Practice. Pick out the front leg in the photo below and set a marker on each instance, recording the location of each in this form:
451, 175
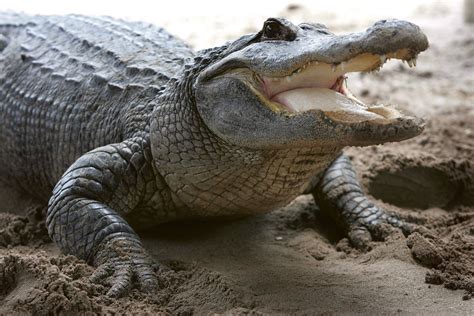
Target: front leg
84, 215
338, 192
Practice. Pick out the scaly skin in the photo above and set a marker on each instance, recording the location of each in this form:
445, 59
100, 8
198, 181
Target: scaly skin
121, 125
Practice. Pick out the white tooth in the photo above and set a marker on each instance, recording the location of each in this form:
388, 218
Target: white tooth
343, 64
410, 63
414, 61
334, 67
382, 59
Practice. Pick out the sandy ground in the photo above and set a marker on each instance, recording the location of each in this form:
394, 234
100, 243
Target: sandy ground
293, 260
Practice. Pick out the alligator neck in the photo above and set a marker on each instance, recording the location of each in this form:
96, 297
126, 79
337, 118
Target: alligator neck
214, 177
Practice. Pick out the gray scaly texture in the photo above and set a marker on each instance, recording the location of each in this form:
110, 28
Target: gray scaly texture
100, 117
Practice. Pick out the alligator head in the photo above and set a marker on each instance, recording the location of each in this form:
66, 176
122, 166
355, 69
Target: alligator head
286, 86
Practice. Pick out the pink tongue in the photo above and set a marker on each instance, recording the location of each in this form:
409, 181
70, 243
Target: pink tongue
327, 100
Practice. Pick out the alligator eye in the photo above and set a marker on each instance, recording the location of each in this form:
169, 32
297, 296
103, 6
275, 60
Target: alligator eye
278, 29
273, 29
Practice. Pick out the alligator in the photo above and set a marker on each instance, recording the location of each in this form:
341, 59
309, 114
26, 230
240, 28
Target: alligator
116, 124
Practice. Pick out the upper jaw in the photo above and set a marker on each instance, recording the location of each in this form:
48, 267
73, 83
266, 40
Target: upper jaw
386, 39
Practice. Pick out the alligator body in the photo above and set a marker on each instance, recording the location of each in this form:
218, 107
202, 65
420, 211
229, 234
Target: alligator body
119, 125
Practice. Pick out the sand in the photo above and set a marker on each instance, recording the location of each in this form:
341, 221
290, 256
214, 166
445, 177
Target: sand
294, 260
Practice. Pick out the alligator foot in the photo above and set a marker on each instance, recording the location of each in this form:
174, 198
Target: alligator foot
338, 192
368, 222
85, 216
121, 263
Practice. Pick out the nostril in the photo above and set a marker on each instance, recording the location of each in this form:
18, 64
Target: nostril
323, 32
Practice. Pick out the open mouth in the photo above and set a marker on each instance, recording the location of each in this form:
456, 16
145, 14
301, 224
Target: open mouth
322, 87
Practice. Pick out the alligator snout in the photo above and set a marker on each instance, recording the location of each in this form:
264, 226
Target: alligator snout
389, 36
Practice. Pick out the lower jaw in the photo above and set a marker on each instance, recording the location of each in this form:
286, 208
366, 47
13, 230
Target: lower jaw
379, 132
378, 124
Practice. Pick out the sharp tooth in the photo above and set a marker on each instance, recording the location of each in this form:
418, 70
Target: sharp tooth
334, 67
414, 61
343, 64
383, 58
410, 63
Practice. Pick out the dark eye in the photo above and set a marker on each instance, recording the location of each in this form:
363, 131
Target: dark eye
272, 29
278, 29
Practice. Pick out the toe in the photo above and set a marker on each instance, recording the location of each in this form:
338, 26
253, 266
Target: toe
122, 282
395, 221
146, 278
360, 237
101, 273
